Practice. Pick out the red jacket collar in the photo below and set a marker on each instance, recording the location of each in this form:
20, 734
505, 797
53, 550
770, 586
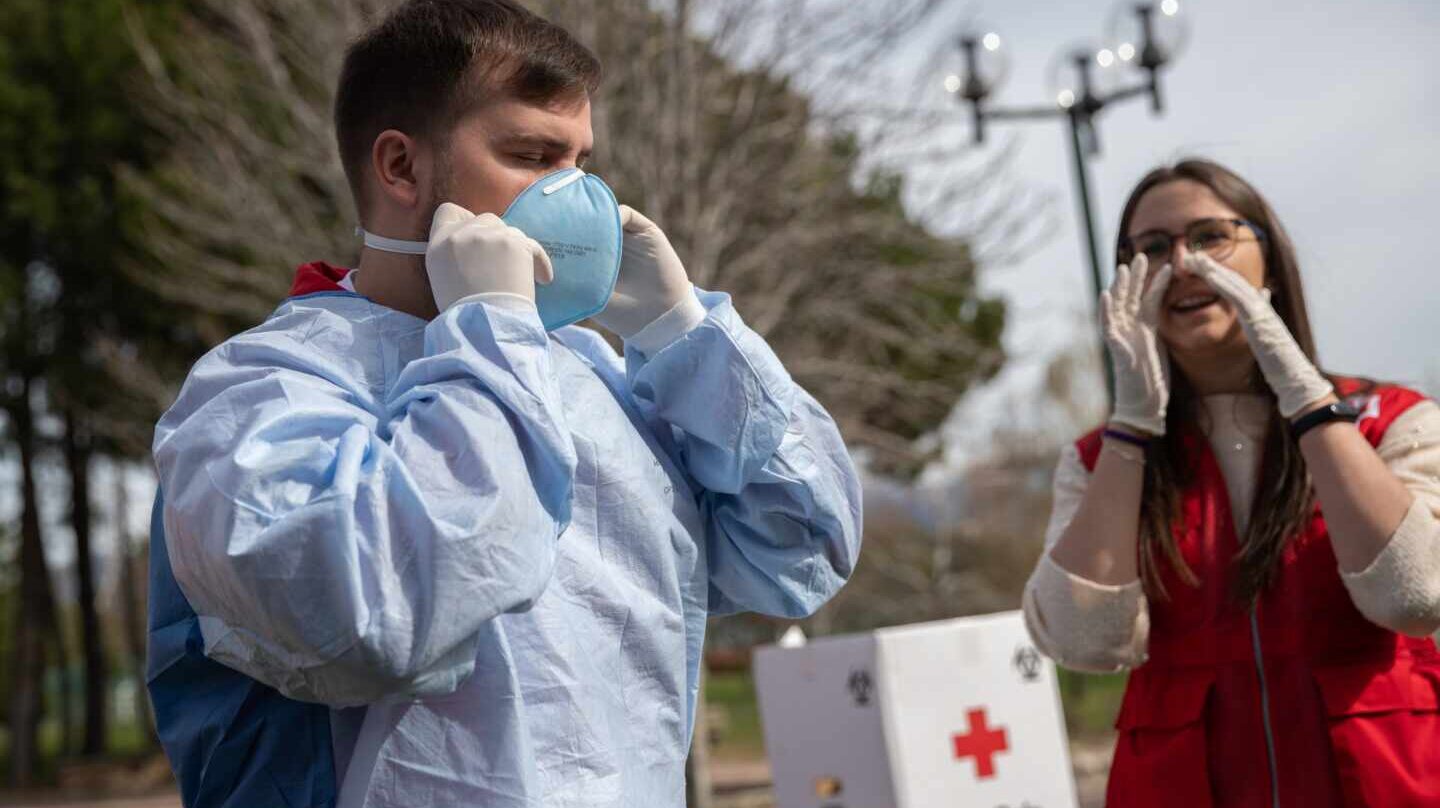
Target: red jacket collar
317, 276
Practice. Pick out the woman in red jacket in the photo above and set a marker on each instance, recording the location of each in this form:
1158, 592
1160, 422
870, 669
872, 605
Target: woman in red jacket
1256, 540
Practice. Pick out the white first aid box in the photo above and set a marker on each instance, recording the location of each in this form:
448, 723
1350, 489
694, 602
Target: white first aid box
956, 713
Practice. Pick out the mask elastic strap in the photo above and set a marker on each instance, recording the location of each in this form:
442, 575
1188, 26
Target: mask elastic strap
392, 245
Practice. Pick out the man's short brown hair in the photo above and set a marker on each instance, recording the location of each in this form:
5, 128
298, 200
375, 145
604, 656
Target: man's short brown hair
431, 61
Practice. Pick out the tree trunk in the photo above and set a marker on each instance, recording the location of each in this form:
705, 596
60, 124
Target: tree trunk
35, 619
64, 689
131, 606
698, 792
97, 680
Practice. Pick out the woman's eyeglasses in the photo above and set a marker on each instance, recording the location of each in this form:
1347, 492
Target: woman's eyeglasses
1214, 237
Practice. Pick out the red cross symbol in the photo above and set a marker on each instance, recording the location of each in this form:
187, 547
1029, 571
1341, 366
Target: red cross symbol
981, 743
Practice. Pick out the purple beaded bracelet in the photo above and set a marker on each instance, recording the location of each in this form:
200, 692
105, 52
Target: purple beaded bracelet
1125, 437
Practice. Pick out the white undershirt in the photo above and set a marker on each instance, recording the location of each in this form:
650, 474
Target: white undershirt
1236, 426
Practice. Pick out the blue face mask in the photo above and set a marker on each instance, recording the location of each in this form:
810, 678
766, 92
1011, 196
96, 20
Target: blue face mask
575, 218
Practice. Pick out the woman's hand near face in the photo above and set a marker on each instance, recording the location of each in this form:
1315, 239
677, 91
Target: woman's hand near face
1297, 383
1099, 543
1130, 313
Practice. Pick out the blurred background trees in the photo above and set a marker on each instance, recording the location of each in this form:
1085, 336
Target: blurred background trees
65, 125
90, 354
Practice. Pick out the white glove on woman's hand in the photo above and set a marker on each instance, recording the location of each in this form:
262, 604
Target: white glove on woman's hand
1130, 315
1289, 372
472, 255
652, 279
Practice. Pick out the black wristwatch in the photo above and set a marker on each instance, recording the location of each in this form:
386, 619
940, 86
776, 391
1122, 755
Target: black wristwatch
1339, 411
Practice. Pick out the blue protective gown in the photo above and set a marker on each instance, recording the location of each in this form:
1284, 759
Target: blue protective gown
496, 546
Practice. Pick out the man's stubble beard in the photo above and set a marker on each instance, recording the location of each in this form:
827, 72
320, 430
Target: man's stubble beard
443, 190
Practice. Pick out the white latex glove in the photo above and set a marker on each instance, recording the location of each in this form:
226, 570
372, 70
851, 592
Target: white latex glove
473, 255
1130, 315
652, 280
1289, 372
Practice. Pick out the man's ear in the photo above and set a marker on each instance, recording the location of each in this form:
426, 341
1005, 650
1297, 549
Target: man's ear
393, 159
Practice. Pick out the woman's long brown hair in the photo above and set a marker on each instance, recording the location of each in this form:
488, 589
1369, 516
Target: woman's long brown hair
1284, 498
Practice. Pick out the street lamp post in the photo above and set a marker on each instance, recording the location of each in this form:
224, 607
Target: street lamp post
1079, 106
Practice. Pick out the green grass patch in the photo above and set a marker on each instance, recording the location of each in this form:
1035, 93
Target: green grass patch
1091, 701
130, 740
127, 741
731, 699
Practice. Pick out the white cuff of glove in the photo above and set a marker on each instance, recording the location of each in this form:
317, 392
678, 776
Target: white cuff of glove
501, 300
681, 319
1148, 426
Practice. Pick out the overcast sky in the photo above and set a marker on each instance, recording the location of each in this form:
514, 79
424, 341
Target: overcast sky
1332, 109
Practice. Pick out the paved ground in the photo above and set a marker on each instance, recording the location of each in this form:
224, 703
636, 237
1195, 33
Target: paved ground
160, 801
735, 775
738, 784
